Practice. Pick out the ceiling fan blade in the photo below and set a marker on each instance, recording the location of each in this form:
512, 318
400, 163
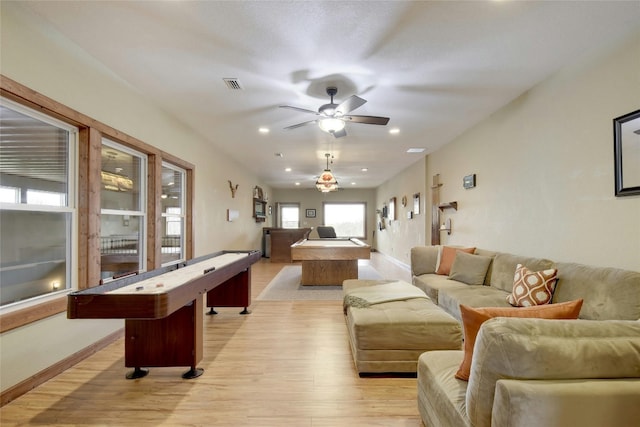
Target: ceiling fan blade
350, 104
304, 110
340, 133
369, 120
301, 124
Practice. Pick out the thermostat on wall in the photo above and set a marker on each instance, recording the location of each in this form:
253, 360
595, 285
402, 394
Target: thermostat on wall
469, 181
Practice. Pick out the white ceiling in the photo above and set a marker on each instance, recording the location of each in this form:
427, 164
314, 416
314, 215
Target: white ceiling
435, 68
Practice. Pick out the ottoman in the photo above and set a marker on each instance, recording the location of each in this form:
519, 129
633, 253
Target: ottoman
389, 337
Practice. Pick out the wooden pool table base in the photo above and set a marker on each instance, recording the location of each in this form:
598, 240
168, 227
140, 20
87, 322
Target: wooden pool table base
328, 272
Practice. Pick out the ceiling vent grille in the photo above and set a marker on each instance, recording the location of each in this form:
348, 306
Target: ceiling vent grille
233, 84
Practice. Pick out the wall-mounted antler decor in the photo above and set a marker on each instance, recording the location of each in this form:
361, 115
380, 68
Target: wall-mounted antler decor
233, 190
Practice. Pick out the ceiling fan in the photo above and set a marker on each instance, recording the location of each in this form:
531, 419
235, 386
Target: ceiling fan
334, 116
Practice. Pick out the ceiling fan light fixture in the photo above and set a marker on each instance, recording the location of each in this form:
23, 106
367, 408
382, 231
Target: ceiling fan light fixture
331, 125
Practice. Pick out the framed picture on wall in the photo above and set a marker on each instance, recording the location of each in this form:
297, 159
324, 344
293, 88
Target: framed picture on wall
626, 151
310, 213
392, 209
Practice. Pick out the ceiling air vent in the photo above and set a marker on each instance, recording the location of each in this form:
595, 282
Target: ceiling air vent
233, 84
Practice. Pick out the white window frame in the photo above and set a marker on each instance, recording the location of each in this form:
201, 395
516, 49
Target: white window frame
280, 207
182, 215
337, 227
71, 249
142, 213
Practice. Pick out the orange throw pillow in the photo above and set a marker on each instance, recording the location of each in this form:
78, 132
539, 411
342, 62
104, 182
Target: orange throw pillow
447, 257
473, 318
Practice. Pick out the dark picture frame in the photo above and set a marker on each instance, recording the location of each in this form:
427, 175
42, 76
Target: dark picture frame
310, 213
392, 209
626, 152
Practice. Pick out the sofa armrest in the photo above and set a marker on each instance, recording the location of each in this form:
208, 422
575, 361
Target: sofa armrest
559, 403
540, 349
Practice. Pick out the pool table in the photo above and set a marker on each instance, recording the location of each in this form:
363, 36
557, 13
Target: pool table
329, 261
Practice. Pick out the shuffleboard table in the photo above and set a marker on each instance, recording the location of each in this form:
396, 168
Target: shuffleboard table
329, 261
163, 309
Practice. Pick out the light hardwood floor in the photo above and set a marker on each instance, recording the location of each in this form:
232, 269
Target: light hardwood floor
286, 364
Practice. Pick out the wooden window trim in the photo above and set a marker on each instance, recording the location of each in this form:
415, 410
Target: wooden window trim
91, 133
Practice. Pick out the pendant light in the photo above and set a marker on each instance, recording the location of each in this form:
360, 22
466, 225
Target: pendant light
327, 181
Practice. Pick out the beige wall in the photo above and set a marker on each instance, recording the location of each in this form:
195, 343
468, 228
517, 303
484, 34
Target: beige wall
545, 171
47, 64
399, 236
313, 199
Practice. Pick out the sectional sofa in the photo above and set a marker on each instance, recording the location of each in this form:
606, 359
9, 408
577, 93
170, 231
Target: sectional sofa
532, 372
520, 371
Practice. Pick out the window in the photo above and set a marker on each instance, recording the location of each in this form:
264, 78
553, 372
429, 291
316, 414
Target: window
289, 215
9, 195
50, 198
37, 204
348, 219
173, 222
123, 210
45, 209
173, 213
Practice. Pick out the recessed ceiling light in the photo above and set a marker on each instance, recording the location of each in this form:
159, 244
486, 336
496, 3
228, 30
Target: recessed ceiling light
394, 131
297, 183
415, 150
263, 130
287, 169
353, 183
364, 169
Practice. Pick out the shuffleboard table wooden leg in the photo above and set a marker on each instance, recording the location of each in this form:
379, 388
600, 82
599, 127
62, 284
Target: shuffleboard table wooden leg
137, 373
192, 373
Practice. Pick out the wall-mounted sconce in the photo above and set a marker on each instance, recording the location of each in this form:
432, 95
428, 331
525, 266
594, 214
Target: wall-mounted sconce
446, 226
55, 285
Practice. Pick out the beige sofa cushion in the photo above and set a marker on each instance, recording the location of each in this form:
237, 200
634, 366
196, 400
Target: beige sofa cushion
441, 397
562, 403
411, 324
492, 255
608, 293
547, 350
424, 259
504, 269
473, 296
431, 284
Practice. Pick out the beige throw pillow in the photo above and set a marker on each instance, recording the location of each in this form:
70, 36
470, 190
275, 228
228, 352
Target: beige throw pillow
470, 269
